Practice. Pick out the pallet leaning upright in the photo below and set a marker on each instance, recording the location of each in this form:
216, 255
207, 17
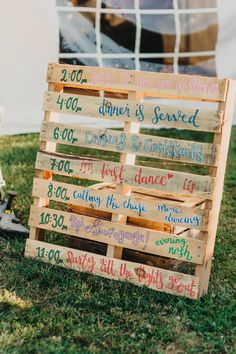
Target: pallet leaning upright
151, 226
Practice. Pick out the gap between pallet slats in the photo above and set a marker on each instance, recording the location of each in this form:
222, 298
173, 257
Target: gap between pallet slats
166, 212
119, 235
168, 181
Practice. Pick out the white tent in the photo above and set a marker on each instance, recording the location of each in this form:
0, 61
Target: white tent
29, 40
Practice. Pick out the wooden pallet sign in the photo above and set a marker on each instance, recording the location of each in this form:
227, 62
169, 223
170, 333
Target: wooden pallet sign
150, 216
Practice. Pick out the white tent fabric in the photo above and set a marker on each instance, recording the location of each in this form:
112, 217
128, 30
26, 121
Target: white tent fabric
226, 47
29, 40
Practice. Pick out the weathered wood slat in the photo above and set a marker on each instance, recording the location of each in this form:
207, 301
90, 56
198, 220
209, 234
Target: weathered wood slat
113, 172
118, 234
37, 234
138, 274
223, 139
156, 115
160, 84
168, 213
125, 189
139, 144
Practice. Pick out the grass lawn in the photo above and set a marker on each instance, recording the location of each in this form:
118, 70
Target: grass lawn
45, 309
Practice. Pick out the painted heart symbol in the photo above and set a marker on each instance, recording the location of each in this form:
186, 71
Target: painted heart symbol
169, 175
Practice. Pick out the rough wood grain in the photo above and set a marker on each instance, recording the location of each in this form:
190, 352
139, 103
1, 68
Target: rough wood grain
157, 84
168, 213
168, 181
156, 115
35, 233
118, 234
143, 275
139, 144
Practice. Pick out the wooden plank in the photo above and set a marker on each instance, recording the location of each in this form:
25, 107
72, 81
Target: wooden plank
223, 139
37, 234
163, 85
168, 213
157, 115
124, 189
118, 234
185, 184
139, 144
116, 269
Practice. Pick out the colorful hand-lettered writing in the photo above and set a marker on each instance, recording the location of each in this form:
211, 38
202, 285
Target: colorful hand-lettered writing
73, 76
107, 171
148, 112
132, 237
72, 103
173, 215
155, 278
165, 148
182, 251
98, 228
51, 254
126, 205
190, 86
140, 144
